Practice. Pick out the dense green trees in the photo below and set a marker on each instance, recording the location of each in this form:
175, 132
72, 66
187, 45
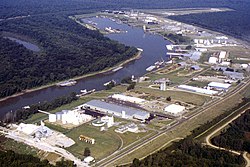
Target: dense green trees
177, 38
12, 159
189, 153
86, 152
68, 50
237, 136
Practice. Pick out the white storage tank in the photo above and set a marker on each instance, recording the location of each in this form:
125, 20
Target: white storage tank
52, 117
59, 116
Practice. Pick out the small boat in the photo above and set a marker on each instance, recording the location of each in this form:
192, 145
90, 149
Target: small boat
105, 84
150, 68
116, 69
85, 92
67, 83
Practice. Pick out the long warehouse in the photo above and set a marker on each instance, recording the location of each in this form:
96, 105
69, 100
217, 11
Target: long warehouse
117, 110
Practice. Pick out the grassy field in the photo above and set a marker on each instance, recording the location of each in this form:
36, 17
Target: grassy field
176, 95
106, 142
129, 138
181, 130
156, 124
198, 83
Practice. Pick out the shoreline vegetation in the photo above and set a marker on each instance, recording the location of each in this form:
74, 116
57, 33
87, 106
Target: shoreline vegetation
133, 58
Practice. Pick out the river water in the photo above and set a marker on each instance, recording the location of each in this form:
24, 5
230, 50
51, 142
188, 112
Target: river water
154, 50
27, 45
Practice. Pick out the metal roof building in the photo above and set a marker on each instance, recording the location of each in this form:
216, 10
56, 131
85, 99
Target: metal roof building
218, 85
198, 90
128, 98
117, 110
175, 110
234, 75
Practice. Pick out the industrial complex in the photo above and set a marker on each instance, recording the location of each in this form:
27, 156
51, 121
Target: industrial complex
117, 110
189, 79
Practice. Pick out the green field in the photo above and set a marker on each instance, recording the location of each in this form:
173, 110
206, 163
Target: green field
190, 98
198, 83
106, 142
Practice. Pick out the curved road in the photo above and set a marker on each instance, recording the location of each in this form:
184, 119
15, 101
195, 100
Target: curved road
111, 159
208, 139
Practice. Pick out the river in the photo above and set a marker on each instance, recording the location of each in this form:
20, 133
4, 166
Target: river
26, 44
153, 50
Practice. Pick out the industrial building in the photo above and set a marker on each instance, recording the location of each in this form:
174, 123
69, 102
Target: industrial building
222, 55
198, 90
213, 60
127, 128
87, 139
117, 110
219, 86
175, 110
74, 117
43, 133
109, 121
128, 98
234, 75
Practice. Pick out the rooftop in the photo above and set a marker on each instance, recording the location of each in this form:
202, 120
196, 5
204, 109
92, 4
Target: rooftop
117, 108
219, 85
174, 109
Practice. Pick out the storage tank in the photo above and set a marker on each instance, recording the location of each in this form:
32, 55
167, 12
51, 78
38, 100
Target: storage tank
52, 117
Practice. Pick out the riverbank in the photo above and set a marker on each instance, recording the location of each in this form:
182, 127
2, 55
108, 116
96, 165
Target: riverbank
110, 70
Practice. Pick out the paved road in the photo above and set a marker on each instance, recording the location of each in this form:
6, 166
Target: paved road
208, 139
42, 146
122, 153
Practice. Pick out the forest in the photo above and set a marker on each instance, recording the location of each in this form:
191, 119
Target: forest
68, 50
12, 159
190, 153
11, 8
237, 135
233, 23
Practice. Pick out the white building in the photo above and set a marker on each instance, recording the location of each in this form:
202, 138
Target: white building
108, 120
74, 117
89, 159
213, 60
52, 117
198, 90
128, 98
222, 55
27, 129
117, 110
225, 63
175, 110
244, 66
201, 49
127, 128
163, 86
219, 86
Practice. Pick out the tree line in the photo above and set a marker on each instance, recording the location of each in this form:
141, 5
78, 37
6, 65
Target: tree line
23, 114
237, 136
12, 159
189, 153
68, 50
